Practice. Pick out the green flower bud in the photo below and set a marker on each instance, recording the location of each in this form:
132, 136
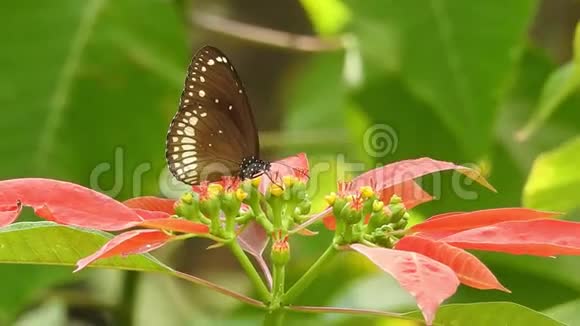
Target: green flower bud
304, 207
395, 200
188, 206
337, 207
350, 215
397, 211
211, 207
230, 204
280, 253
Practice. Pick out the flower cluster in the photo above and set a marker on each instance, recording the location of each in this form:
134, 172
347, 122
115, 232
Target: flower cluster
368, 215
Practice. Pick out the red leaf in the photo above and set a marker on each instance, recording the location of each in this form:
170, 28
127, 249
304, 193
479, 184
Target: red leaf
128, 243
411, 193
469, 220
429, 281
9, 213
150, 215
402, 171
541, 237
68, 203
152, 203
253, 239
295, 165
470, 270
176, 225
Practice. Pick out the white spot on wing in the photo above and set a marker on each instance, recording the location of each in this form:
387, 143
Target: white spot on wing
203, 115
210, 62
193, 121
201, 93
189, 131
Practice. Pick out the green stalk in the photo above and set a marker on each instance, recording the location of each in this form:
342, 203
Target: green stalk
274, 318
309, 276
254, 276
279, 278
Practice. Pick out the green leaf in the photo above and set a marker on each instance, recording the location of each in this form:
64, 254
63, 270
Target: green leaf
566, 312
327, 16
89, 96
489, 313
561, 84
555, 179
316, 102
48, 243
453, 54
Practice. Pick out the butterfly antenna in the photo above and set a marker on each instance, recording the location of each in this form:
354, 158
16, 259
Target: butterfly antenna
302, 172
267, 173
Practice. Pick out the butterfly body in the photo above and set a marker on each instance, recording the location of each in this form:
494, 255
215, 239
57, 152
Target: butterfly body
252, 167
213, 133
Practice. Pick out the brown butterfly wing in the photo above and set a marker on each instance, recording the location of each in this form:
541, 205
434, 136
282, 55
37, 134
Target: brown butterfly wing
214, 129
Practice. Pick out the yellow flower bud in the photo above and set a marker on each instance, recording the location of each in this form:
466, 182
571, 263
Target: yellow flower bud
330, 198
215, 189
289, 180
366, 192
350, 198
187, 198
256, 181
276, 190
241, 195
378, 205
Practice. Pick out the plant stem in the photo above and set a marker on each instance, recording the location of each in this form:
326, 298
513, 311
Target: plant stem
274, 317
279, 278
309, 276
126, 308
263, 292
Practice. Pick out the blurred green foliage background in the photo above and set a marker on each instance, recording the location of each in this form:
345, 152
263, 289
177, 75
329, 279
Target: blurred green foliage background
88, 88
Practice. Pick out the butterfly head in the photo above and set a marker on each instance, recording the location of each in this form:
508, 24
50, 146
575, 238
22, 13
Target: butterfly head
252, 167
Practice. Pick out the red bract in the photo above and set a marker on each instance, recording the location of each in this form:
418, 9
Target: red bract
542, 237
128, 243
409, 191
470, 270
253, 239
67, 203
399, 172
9, 213
429, 281
295, 165
70, 204
176, 225
459, 221
151, 203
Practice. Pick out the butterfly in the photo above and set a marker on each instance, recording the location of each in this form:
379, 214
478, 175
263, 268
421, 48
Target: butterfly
213, 133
